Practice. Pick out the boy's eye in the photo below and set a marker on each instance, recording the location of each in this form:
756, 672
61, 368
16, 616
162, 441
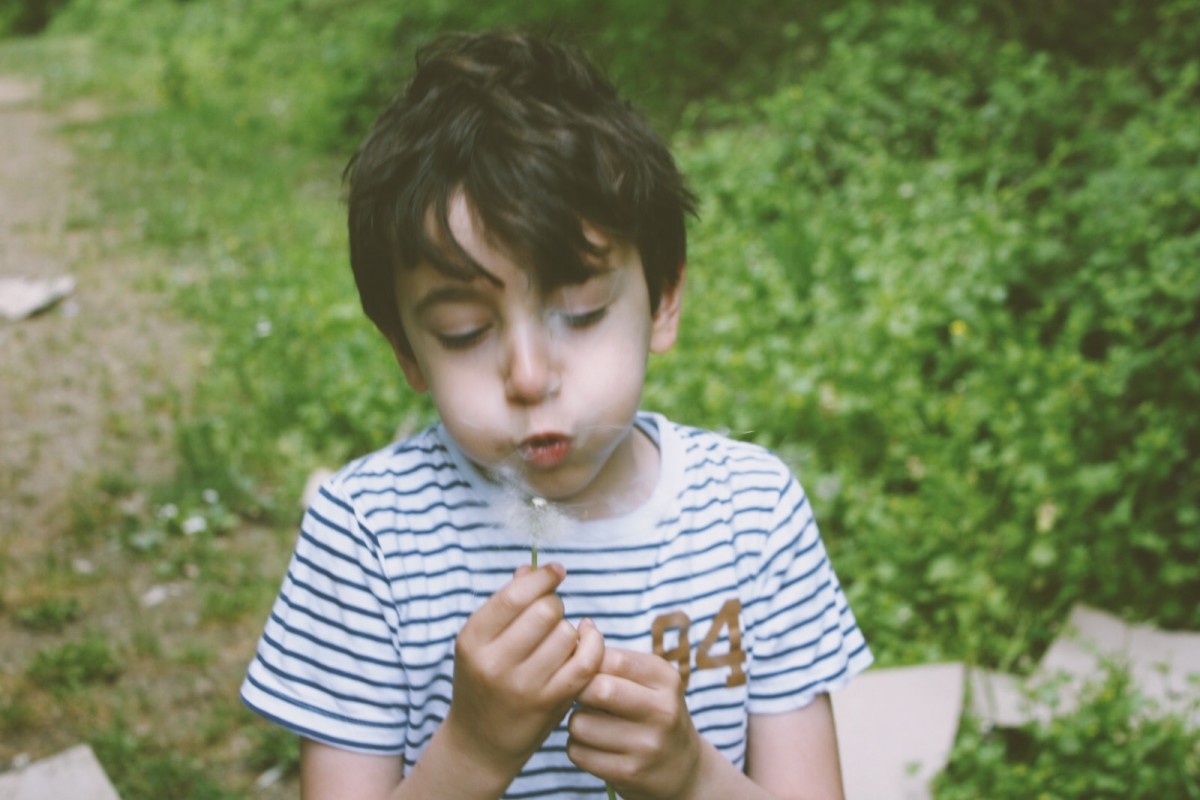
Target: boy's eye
582, 319
582, 305
461, 341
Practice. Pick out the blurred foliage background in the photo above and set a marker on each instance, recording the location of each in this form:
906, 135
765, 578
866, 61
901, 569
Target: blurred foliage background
947, 264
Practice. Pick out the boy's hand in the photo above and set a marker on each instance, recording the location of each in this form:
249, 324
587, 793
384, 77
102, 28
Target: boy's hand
634, 730
518, 667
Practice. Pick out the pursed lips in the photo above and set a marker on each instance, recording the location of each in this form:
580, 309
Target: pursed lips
545, 450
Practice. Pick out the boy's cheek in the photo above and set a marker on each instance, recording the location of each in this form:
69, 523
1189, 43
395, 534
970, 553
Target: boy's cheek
405, 357
414, 375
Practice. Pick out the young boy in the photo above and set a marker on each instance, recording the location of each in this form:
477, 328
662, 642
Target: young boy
517, 234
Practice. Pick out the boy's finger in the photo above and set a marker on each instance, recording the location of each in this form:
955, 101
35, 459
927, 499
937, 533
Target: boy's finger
600, 731
597, 761
502, 608
535, 627
633, 685
552, 651
582, 665
644, 669
618, 697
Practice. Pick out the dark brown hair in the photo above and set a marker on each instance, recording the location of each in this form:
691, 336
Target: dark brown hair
539, 141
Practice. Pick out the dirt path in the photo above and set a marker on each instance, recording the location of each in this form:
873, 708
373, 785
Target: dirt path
86, 397
85, 394
76, 381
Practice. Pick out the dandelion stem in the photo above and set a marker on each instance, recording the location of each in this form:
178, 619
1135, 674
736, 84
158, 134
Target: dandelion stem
533, 556
612, 795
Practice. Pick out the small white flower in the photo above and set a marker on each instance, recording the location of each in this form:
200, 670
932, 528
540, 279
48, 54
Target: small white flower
169, 511
262, 328
194, 524
829, 486
210, 496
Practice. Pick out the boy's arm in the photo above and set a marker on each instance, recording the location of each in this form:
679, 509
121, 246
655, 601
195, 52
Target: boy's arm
795, 754
634, 730
328, 773
518, 666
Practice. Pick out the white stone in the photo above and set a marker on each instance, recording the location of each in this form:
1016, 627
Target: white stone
896, 728
1164, 667
24, 297
74, 773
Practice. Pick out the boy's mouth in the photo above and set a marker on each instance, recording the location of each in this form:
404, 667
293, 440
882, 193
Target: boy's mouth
545, 450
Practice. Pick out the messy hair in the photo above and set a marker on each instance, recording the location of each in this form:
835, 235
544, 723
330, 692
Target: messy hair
541, 145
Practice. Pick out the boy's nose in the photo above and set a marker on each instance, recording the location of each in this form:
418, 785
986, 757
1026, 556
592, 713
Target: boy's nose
531, 374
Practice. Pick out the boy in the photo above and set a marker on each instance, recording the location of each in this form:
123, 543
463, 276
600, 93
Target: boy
517, 234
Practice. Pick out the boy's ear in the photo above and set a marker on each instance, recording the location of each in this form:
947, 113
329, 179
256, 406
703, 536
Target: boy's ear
408, 364
665, 323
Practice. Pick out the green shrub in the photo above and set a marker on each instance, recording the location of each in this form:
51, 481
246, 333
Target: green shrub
318, 72
25, 17
1114, 746
985, 369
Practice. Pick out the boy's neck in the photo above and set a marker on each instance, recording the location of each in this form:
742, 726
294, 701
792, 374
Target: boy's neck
636, 476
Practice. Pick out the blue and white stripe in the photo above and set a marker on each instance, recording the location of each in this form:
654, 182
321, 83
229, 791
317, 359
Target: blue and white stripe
400, 547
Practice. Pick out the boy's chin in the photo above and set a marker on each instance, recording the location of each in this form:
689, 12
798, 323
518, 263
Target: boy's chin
554, 486
531, 485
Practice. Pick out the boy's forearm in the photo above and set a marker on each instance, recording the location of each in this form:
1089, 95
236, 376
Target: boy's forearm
718, 779
450, 768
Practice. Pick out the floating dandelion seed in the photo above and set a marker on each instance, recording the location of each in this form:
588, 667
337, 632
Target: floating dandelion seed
536, 519
529, 515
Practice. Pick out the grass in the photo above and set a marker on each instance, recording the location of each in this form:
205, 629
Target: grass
144, 769
74, 665
52, 614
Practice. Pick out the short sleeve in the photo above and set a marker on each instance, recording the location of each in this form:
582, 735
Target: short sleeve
806, 639
327, 665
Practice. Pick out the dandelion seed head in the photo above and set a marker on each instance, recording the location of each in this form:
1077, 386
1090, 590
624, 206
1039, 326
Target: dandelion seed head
533, 518
528, 515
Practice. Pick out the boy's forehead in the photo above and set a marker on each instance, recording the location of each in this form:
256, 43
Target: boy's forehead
471, 237
469, 230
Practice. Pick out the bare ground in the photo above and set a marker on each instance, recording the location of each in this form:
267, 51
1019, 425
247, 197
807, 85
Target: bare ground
86, 397
74, 382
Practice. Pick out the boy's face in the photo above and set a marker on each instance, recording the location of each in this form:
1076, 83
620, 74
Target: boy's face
539, 388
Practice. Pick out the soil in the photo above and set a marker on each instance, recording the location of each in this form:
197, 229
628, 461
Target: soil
75, 380
87, 393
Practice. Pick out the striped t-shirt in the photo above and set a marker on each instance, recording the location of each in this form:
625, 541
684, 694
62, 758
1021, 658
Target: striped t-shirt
721, 571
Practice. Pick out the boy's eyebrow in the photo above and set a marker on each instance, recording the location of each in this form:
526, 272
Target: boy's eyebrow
445, 294
468, 292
